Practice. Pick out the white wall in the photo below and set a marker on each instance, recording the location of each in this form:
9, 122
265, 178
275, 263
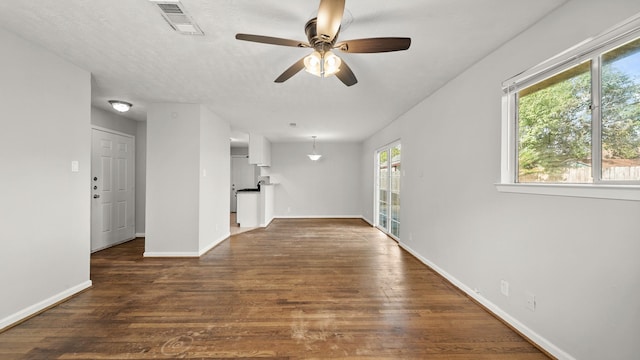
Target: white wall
44, 207
215, 180
383, 137
188, 173
141, 176
240, 151
173, 181
578, 256
329, 187
113, 121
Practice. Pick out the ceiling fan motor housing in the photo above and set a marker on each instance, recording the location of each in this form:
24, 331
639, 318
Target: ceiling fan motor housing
317, 42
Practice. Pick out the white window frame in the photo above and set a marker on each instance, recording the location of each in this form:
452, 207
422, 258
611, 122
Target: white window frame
585, 51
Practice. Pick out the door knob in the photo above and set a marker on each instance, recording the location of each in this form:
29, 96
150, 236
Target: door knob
95, 196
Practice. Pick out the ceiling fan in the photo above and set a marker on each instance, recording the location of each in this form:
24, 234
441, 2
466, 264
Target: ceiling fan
322, 33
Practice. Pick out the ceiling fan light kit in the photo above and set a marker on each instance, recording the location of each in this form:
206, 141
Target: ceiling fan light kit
322, 33
322, 64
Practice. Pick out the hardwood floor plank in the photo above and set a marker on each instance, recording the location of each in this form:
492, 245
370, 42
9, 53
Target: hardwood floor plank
299, 289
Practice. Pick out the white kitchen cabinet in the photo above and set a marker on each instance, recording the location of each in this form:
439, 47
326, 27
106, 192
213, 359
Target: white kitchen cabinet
248, 212
255, 208
259, 150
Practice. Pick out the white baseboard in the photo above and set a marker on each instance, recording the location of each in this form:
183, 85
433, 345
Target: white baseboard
111, 245
42, 305
186, 253
214, 244
268, 223
139, 235
321, 217
367, 221
171, 254
523, 329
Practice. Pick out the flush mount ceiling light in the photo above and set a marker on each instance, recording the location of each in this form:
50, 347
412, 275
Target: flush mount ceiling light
314, 156
121, 106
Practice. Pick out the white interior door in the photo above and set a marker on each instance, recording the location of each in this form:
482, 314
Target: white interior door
243, 176
112, 189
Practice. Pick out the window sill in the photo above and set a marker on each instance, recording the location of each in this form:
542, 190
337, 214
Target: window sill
614, 192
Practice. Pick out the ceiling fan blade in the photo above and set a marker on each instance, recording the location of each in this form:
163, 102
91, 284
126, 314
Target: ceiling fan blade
330, 15
346, 75
374, 45
272, 40
292, 70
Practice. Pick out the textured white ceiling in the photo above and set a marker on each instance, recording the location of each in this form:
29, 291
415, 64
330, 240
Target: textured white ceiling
135, 56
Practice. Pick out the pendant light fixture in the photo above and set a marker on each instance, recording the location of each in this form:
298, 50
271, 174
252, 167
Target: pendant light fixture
314, 156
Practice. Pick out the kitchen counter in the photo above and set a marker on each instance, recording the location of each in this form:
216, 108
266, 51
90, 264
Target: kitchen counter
255, 208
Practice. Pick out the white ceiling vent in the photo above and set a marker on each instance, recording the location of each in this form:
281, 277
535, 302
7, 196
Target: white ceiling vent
174, 13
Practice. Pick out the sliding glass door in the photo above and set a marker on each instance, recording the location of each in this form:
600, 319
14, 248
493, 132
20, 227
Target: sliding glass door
388, 189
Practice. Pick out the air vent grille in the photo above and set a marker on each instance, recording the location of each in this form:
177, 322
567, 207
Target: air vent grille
176, 16
170, 8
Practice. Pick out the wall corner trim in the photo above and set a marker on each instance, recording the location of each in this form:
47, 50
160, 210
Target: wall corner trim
367, 221
266, 224
542, 342
215, 243
43, 305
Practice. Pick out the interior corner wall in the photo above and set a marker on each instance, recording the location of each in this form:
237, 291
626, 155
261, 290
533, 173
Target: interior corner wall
215, 182
329, 187
577, 256
173, 166
386, 136
44, 211
141, 176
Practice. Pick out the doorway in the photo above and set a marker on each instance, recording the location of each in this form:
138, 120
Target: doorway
387, 202
243, 176
112, 188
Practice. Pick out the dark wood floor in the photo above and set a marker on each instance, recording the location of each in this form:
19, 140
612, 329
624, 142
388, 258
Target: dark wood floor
299, 289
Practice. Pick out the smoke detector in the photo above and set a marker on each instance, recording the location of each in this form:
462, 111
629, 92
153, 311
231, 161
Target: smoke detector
176, 16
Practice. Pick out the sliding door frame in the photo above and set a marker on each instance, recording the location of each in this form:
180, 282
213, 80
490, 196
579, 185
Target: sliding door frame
388, 202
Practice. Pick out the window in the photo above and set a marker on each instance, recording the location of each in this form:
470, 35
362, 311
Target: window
554, 128
620, 114
575, 120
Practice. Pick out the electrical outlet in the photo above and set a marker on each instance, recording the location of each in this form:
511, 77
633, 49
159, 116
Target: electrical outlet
504, 287
531, 302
